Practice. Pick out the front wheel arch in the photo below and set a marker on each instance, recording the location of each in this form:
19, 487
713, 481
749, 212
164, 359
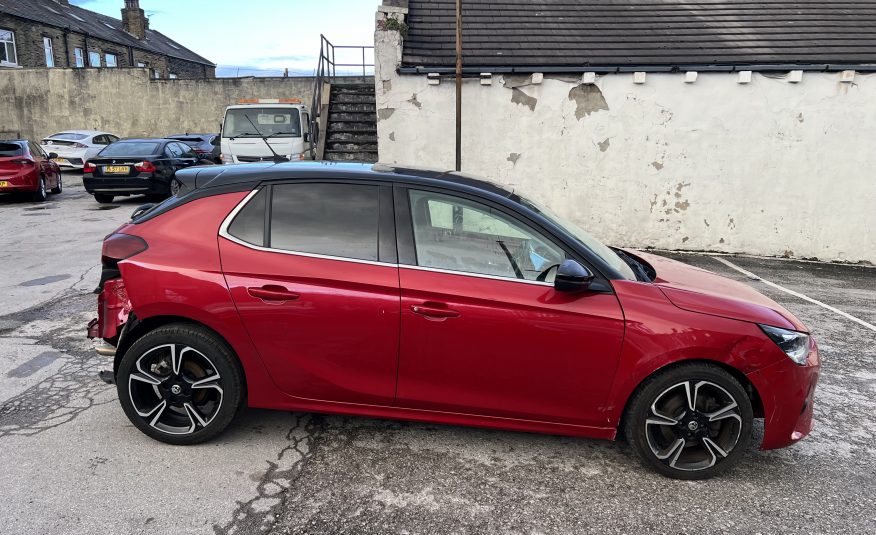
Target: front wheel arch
136, 329
747, 385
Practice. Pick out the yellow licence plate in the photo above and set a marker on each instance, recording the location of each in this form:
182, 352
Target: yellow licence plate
117, 169
60, 160
3, 184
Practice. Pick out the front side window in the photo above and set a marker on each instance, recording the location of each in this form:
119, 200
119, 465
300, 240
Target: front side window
50, 54
457, 234
8, 55
94, 59
111, 60
79, 57
328, 219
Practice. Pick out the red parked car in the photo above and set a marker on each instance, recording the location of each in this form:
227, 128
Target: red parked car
400, 293
25, 167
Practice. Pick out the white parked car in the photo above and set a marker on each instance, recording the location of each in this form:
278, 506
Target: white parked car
75, 147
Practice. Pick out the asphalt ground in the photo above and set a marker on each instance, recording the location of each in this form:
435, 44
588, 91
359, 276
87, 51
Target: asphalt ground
72, 463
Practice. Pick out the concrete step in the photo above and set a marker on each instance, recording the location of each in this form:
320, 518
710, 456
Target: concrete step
352, 117
351, 156
351, 98
347, 126
350, 147
353, 89
351, 137
343, 107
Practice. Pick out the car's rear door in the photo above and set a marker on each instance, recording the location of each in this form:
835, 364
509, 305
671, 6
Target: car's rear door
481, 334
312, 269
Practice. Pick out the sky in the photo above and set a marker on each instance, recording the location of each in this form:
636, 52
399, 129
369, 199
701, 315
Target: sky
257, 37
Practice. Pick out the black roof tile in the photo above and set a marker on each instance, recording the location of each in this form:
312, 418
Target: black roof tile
100, 26
533, 34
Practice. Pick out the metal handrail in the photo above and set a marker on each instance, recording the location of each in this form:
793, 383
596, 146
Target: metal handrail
327, 70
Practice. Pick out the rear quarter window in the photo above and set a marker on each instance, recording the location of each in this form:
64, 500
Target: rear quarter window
249, 224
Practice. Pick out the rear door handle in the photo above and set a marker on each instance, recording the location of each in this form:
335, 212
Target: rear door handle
434, 312
272, 292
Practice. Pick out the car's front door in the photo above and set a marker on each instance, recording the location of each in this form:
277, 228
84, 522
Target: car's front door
483, 329
312, 269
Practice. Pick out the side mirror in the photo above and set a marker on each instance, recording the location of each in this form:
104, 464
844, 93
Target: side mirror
53, 155
572, 277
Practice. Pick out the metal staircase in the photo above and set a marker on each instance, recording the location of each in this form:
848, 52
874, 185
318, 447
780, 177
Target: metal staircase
344, 109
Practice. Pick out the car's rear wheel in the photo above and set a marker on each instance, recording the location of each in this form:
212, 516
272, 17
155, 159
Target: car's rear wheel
40, 194
103, 198
180, 384
60, 187
690, 422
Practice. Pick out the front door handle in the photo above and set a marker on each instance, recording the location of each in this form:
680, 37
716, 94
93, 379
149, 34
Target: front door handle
434, 312
273, 292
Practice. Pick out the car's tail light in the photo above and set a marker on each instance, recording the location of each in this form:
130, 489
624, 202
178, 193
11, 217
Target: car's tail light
202, 151
80, 146
89, 167
145, 167
117, 247
23, 161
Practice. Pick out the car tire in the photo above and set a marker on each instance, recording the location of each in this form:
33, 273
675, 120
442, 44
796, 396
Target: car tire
103, 198
684, 443
40, 194
57, 190
195, 407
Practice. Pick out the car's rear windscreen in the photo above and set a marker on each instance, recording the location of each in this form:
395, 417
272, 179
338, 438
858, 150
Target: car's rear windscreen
10, 149
134, 149
69, 136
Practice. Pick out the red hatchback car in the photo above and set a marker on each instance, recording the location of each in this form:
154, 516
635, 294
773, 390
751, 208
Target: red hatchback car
400, 293
25, 167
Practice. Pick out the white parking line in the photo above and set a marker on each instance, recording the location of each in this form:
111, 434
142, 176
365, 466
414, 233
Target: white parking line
752, 276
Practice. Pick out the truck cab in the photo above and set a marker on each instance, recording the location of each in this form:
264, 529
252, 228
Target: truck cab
257, 130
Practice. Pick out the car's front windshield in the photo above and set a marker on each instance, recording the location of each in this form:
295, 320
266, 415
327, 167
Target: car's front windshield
595, 246
258, 122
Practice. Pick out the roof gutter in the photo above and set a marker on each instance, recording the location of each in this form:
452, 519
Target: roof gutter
554, 69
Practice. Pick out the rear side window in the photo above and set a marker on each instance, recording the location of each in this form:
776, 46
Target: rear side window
10, 149
329, 219
249, 223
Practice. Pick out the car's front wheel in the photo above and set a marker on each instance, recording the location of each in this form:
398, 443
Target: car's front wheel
180, 384
692, 421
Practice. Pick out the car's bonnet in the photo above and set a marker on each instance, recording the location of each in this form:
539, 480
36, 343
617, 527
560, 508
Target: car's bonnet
698, 290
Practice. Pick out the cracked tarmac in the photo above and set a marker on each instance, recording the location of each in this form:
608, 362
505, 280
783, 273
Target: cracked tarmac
72, 463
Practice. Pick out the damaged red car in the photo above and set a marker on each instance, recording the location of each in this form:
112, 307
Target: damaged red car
431, 296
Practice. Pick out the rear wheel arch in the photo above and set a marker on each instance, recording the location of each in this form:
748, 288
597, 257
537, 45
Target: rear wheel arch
137, 329
747, 385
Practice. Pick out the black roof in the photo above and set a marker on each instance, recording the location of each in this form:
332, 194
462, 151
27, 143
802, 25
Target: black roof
100, 26
611, 35
215, 176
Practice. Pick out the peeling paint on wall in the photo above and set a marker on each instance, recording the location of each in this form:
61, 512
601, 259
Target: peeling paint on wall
519, 97
385, 113
513, 157
657, 165
603, 146
588, 99
413, 100
392, 136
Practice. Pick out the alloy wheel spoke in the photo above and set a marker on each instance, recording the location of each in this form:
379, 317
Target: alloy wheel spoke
724, 412
678, 446
158, 411
145, 378
714, 448
195, 415
175, 359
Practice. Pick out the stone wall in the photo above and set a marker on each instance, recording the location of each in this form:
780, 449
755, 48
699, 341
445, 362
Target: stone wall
35, 103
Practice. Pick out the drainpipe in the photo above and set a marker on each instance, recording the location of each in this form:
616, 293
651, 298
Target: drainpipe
458, 85
67, 45
87, 59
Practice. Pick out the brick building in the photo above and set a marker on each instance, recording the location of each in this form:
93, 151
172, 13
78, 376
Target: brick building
54, 33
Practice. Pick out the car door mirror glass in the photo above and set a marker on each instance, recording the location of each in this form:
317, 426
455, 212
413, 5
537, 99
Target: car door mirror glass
572, 277
53, 155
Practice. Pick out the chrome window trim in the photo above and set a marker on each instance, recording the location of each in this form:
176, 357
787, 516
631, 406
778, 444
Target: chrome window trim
223, 232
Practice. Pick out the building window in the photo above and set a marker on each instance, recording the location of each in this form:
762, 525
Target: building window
7, 48
94, 59
79, 57
111, 60
156, 73
50, 54
172, 76
140, 64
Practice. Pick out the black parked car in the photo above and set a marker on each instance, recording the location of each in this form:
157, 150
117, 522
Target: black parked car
137, 167
207, 146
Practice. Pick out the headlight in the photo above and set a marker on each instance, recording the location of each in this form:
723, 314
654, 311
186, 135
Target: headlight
794, 344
